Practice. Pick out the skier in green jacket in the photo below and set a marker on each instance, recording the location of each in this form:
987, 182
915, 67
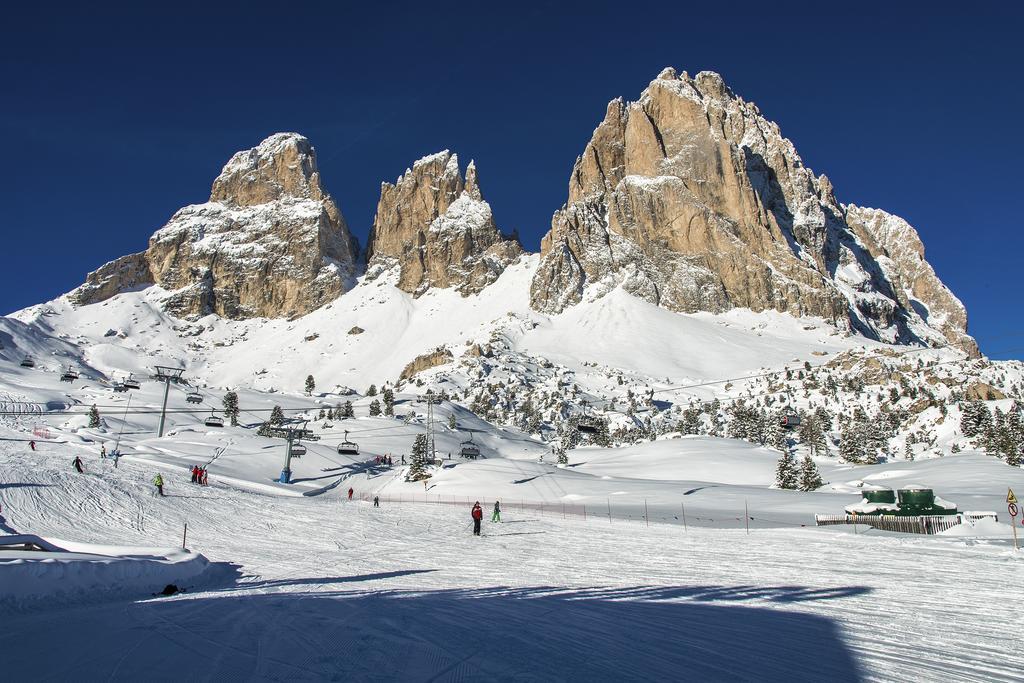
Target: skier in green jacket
496, 515
158, 482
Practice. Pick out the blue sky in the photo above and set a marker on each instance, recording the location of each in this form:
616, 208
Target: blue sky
114, 117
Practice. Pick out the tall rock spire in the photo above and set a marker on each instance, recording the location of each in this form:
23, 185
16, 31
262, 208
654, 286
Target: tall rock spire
438, 230
691, 199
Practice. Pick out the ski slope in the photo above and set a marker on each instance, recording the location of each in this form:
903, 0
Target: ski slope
318, 587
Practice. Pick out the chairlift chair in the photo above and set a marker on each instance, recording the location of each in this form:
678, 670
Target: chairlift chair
119, 387
587, 425
298, 450
194, 397
214, 420
70, 375
347, 447
468, 449
131, 382
28, 362
790, 420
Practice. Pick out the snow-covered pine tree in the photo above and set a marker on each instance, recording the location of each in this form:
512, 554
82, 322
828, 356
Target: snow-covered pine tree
389, 402
276, 415
94, 417
418, 460
372, 391
786, 475
810, 479
776, 436
310, 384
346, 410
230, 404
452, 424
374, 408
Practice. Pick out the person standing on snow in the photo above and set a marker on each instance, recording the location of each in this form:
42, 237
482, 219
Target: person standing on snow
32, 445
103, 452
496, 515
158, 482
478, 515
77, 462
195, 474
205, 475
376, 501
350, 492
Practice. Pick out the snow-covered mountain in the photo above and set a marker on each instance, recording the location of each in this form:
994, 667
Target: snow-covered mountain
697, 273
691, 199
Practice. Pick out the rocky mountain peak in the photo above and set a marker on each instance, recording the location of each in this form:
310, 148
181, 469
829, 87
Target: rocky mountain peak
435, 226
269, 243
283, 165
691, 199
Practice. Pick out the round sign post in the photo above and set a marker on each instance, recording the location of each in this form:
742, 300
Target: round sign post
1011, 507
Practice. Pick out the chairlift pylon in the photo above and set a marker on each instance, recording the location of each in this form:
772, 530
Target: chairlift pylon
347, 447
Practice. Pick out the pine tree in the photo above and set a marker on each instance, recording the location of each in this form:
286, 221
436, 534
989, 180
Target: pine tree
230, 404
786, 472
372, 391
810, 479
418, 461
321, 415
374, 408
94, 417
691, 422
452, 424
776, 437
389, 402
346, 410
310, 384
908, 451
276, 416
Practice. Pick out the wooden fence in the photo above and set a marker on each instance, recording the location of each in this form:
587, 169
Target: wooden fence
923, 524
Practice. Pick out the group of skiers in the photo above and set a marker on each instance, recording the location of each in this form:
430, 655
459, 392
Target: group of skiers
199, 475
477, 514
384, 460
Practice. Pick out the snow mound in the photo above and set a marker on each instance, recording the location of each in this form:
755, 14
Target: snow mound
80, 572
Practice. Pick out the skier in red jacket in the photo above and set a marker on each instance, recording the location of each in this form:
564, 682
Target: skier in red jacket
350, 492
478, 514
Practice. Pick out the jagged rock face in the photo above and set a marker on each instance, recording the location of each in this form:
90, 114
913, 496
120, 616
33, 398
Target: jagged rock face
269, 243
438, 229
690, 199
897, 248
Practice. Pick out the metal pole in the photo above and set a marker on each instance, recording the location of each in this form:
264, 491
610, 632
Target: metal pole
1013, 525
163, 411
286, 473
646, 518
608, 500
746, 516
683, 506
183, 535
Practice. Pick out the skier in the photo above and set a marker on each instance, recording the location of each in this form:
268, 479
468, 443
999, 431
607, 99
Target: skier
158, 482
103, 452
478, 515
195, 474
32, 445
496, 515
205, 475
376, 501
350, 492
77, 462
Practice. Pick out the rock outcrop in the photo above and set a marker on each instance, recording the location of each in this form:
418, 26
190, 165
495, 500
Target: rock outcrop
436, 357
270, 242
437, 228
689, 198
